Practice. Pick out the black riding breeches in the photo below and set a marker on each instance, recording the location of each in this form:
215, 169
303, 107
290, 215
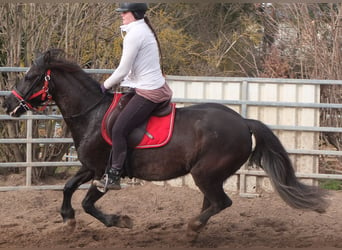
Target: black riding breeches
134, 114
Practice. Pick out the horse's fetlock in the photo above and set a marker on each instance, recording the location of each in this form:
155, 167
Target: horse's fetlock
228, 203
87, 207
66, 215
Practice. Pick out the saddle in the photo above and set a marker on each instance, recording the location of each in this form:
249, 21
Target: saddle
155, 132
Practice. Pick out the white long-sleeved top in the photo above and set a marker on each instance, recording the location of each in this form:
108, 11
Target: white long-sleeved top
139, 65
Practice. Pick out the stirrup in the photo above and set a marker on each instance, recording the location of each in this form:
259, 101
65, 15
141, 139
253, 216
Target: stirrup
100, 186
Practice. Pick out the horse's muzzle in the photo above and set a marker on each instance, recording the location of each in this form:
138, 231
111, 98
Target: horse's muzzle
14, 112
5, 106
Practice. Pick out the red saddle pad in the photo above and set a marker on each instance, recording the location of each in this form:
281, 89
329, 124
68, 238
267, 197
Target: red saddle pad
158, 130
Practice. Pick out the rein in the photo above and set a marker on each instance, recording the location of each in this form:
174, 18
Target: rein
46, 98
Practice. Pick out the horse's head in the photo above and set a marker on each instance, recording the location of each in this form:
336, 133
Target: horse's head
32, 91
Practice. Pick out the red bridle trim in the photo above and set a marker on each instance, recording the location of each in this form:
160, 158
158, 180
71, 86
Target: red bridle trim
44, 92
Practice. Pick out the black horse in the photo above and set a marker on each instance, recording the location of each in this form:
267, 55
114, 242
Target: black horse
210, 141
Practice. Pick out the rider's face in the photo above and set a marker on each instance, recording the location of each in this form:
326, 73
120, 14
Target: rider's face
127, 17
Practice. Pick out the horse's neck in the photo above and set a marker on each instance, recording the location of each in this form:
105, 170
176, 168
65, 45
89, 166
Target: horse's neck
84, 122
75, 98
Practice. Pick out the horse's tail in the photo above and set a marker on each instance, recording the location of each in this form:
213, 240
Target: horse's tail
270, 154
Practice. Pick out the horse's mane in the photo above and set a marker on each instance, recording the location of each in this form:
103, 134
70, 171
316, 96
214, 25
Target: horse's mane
57, 59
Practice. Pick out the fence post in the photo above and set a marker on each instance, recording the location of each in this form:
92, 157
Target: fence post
244, 96
29, 128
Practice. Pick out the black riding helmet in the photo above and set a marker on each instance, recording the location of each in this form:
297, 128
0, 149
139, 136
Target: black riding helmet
138, 9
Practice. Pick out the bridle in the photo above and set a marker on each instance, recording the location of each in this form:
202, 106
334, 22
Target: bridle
46, 98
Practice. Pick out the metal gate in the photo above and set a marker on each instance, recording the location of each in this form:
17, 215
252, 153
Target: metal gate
290, 107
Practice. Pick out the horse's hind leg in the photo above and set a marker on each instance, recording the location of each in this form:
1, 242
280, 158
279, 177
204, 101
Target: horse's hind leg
215, 200
109, 220
67, 212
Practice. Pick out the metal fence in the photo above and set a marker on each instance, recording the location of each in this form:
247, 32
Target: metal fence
243, 104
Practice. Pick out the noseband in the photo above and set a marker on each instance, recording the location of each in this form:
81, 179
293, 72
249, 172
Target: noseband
44, 93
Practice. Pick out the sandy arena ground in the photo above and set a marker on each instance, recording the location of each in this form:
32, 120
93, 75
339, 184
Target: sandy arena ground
160, 215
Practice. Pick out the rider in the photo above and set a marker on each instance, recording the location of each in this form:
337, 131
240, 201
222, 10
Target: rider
139, 69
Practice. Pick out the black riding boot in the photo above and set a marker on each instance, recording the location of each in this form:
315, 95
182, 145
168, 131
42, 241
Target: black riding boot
114, 176
110, 180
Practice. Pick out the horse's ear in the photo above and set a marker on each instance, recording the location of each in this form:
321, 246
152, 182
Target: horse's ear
47, 56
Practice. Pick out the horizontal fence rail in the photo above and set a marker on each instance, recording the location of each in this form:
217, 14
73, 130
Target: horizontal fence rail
243, 105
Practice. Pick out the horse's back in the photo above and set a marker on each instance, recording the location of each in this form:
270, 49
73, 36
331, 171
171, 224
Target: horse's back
214, 114
219, 125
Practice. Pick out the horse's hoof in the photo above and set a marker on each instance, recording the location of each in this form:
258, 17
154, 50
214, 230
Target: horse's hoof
192, 235
70, 225
195, 225
194, 228
125, 222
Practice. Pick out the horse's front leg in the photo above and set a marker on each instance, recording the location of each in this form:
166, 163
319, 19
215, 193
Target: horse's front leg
110, 220
67, 212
